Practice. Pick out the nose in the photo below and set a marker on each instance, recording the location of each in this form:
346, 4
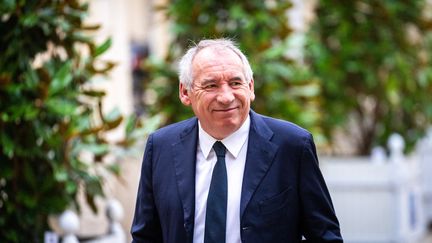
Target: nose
225, 95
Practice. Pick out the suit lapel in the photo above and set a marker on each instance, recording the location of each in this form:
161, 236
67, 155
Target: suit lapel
184, 162
259, 157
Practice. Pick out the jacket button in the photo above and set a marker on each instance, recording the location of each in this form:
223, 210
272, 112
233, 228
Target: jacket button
245, 228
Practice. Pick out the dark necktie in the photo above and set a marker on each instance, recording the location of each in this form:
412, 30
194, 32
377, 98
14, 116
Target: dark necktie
215, 223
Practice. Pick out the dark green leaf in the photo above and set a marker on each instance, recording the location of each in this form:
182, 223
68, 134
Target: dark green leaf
29, 20
61, 106
7, 145
94, 93
62, 78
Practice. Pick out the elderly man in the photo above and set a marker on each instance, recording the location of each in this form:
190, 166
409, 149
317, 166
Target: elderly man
230, 174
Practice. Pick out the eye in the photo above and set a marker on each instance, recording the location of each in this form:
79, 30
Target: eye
236, 83
210, 86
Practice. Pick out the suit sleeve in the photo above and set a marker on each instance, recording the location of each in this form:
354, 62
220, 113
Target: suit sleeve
146, 224
319, 222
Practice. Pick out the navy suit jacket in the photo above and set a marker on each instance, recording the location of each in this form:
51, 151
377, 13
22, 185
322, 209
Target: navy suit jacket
284, 195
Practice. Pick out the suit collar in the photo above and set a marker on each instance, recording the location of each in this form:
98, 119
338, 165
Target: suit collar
260, 155
233, 142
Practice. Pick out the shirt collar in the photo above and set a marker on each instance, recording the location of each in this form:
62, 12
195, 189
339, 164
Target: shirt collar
233, 142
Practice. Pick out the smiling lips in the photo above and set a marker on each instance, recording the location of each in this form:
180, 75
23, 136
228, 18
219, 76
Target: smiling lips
225, 110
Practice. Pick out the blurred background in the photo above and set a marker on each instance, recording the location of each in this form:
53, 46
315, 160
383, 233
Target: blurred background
83, 83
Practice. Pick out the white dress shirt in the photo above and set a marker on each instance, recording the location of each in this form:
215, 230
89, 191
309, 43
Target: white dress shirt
235, 160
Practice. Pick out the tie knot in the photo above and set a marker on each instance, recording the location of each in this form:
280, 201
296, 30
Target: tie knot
219, 149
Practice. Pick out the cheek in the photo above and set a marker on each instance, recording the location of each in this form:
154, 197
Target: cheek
246, 97
201, 104
205, 101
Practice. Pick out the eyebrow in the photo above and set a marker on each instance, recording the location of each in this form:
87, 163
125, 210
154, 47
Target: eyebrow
236, 78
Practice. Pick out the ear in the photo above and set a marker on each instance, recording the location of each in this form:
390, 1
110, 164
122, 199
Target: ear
184, 95
251, 88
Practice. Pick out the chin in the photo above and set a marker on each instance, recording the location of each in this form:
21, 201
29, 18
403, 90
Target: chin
229, 128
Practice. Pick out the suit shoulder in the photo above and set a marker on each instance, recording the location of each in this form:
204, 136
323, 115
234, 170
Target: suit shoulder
175, 130
286, 128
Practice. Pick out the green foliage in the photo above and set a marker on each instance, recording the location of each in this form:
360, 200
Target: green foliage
51, 125
283, 88
374, 61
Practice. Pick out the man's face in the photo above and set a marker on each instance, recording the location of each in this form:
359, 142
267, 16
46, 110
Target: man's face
220, 96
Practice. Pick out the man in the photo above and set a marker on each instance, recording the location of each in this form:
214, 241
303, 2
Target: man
230, 174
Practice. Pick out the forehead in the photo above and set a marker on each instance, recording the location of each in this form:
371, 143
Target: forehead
213, 59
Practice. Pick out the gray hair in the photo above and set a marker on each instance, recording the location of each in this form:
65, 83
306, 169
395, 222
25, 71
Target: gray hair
185, 65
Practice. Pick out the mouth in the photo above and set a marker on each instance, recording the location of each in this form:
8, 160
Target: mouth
225, 109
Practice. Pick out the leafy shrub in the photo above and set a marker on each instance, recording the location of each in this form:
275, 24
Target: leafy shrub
52, 129
373, 59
